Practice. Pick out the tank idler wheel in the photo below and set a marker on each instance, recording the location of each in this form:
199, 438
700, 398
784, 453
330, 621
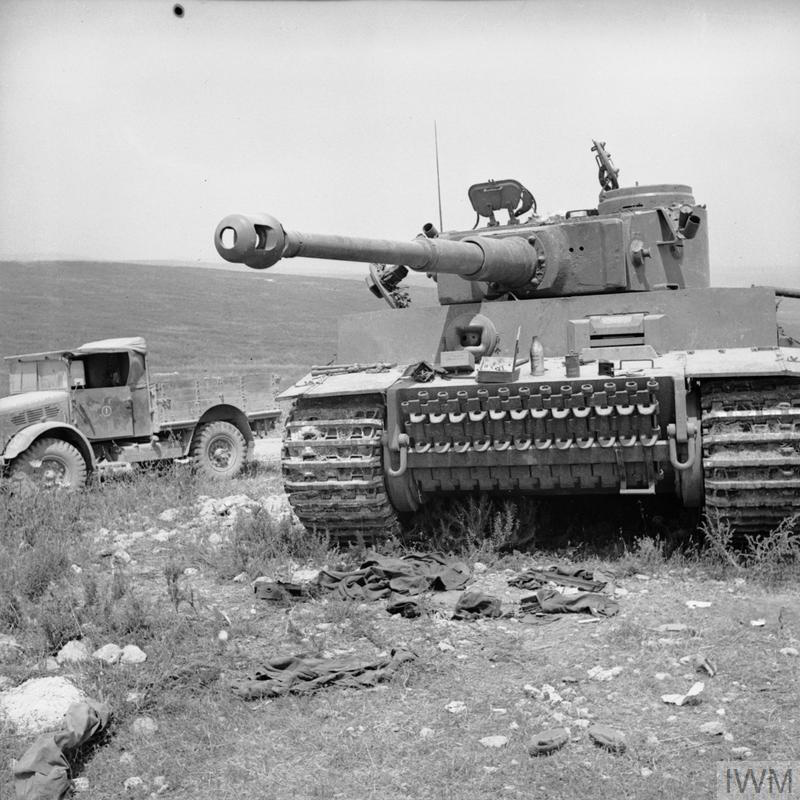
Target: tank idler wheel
219, 450
50, 464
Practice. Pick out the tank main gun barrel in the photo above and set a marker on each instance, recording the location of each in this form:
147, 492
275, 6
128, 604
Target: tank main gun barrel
260, 241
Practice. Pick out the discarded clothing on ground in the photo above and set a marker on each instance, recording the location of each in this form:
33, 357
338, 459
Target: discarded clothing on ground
280, 592
299, 675
551, 601
578, 577
472, 605
43, 771
381, 576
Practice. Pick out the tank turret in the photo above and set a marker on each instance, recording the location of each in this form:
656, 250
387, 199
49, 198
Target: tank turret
639, 238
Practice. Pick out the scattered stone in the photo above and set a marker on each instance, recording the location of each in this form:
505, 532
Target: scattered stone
713, 728
494, 741
640, 577
739, 581
133, 783
788, 651
51, 665
144, 726
80, 784
189, 571
513, 726
582, 723
741, 752
674, 627
446, 647
611, 739
160, 784
426, 733
304, 575
551, 694
123, 556
242, 577
728, 737
10, 649
620, 592
558, 716
215, 539
73, 652
109, 653
604, 674
479, 567
169, 514
39, 704
533, 691
645, 772
652, 739
125, 759
661, 676
456, 707
76, 570
698, 604
758, 623
721, 712
691, 698
548, 741
131, 654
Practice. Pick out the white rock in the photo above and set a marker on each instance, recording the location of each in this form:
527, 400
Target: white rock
533, 691
10, 649
689, 699
445, 647
741, 752
479, 566
640, 577
456, 707
144, 726
426, 733
76, 570
713, 728
122, 556
215, 539
661, 676
304, 575
603, 674
698, 604
619, 591
758, 623
131, 654
513, 726
163, 536
169, 514
242, 577
51, 665
73, 653
645, 772
788, 651
109, 653
189, 571
80, 784
494, 741
39, 704
133, 783
581, 723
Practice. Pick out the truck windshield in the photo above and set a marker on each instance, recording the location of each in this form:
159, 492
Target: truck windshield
31, 376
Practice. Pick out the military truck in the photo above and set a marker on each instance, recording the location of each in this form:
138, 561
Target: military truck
572, 354
97, 408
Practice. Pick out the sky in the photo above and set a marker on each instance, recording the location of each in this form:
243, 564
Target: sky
127, 132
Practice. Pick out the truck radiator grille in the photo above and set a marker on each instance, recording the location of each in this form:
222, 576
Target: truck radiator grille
33, 415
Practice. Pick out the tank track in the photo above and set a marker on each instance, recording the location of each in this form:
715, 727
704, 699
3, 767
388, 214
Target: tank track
333, 471
751, 451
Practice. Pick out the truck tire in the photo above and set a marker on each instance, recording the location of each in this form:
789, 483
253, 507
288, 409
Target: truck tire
50, 464
219, 450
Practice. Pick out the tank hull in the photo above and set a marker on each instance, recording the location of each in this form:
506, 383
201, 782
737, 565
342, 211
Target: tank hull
679, 393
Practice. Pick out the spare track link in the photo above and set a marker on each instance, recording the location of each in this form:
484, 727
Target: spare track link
333, 471
751, 451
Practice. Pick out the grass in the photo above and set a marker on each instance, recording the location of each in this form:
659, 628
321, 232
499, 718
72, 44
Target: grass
176, 594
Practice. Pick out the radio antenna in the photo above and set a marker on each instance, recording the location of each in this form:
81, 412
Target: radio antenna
438, 179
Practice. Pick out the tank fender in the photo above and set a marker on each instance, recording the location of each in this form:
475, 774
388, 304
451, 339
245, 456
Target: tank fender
22, 440
740, 361
345, 379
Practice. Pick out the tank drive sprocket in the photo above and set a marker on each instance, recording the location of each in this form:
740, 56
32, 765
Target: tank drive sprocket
333, 471
751, 451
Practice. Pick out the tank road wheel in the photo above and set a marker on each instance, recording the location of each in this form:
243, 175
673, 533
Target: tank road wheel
219, 450
50, 464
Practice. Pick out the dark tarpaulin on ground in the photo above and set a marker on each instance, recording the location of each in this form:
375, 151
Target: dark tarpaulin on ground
43, 771
573, 576
470, 605
299, 675
381, 576
551, 601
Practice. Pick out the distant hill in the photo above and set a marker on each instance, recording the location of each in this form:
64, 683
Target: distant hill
195, 320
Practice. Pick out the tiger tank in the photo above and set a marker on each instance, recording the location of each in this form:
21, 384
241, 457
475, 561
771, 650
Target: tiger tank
572, 354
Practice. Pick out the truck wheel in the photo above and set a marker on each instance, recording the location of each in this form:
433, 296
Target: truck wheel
219, 450
50, 464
